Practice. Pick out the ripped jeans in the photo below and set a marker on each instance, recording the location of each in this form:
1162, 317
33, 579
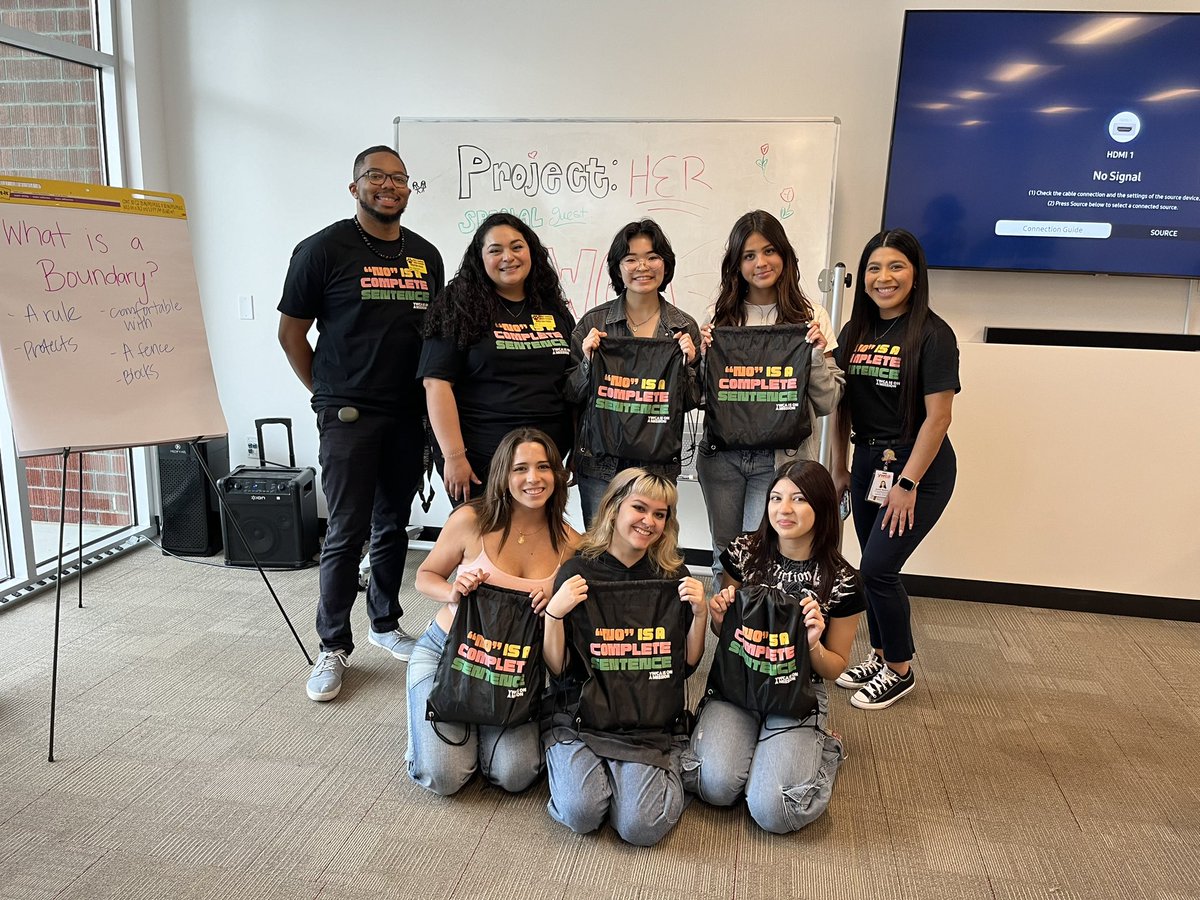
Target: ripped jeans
510, 758
787, 776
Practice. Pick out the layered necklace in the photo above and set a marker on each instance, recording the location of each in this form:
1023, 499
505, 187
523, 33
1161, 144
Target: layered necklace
366, 240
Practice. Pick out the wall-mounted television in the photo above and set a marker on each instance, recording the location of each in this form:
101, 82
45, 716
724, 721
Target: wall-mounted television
1049, 141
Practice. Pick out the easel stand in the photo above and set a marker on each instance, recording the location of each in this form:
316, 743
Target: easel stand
62, 527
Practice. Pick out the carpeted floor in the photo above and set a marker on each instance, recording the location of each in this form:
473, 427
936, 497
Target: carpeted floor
1044, 754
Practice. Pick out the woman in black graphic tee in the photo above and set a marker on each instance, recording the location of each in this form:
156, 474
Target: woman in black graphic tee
496, 352
901, 365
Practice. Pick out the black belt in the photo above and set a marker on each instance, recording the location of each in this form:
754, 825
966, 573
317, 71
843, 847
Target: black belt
877, 442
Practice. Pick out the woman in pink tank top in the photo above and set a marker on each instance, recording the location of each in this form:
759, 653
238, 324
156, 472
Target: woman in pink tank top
514, 536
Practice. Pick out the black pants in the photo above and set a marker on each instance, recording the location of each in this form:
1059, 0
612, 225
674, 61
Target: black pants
888, 612
370, 472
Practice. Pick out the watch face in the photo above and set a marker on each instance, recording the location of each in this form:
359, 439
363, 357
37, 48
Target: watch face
906, 483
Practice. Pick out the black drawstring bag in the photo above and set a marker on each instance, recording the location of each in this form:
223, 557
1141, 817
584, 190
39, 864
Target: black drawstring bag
633, 639
636, 404
762, 662
756, 383
491, 671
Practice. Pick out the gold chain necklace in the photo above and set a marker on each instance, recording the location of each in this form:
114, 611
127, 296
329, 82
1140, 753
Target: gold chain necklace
522, 534
634, 326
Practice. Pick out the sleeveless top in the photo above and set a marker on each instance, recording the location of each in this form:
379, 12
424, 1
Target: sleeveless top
500, 578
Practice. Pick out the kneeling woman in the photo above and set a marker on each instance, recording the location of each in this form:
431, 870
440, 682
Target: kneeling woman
514, 536
785, 767
632, 776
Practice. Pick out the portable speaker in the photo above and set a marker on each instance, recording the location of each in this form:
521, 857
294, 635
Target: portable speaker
191, 516
276, 510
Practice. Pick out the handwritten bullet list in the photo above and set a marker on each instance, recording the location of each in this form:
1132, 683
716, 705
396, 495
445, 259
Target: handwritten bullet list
80, 276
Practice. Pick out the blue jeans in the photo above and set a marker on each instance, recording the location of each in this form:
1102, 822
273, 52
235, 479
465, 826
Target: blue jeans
735, 485
787, 776
889, 616
643, 802
510, 758
370, 472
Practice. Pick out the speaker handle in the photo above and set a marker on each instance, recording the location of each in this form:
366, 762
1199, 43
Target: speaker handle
258, 429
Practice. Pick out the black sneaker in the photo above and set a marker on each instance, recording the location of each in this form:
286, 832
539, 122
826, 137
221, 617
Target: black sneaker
884, 689
857, 676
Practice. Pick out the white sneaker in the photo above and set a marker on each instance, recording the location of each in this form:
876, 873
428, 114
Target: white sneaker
325, 682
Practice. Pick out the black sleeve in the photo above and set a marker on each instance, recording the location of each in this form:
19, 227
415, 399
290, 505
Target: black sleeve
846, 597
304, 284
441, 358
842, 352
733, 558
580, 374
939, 359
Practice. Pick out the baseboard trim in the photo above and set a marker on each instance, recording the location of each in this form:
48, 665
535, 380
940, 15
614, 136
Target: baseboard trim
1073, 599
1039, 596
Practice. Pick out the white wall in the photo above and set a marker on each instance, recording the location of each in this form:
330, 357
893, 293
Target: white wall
265, 103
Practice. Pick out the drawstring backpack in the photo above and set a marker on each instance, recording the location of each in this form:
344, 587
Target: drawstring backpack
762, 662
632, 636
756, 383
636, 404
491, 671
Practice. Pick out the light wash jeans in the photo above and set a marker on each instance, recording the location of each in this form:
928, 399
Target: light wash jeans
643, 802
508, 757
735, 485
787, 775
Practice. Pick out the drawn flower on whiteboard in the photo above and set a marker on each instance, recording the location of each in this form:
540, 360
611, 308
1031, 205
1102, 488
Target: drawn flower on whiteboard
787, 195
764, 149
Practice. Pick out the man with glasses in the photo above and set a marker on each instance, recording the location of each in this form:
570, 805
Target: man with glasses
366, 282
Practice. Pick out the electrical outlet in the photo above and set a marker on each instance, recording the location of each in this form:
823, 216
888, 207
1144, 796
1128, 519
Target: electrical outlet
252, 446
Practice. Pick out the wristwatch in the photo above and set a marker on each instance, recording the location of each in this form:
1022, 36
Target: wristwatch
906, 483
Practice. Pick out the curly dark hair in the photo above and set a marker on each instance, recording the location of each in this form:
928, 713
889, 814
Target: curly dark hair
469, 305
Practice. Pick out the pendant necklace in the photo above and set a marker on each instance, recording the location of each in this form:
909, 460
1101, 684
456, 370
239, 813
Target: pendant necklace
520, 307
521, 534
634, 326
879, 337
366, 240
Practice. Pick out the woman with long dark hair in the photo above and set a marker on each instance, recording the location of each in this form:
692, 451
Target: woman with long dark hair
514, 536
760, 285
641, 265
901, 364
785, 767
496, 352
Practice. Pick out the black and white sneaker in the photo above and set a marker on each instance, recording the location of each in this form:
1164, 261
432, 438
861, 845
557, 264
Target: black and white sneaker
858, 676
884, 689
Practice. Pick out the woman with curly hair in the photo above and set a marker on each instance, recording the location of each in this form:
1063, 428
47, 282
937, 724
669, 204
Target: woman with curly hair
496, 352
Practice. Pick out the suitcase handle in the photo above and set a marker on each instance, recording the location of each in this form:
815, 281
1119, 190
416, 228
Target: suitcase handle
262, 450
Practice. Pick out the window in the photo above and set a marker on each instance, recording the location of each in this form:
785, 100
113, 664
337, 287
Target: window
57, 109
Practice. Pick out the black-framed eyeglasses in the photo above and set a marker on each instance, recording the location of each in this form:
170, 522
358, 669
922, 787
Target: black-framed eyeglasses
377, 178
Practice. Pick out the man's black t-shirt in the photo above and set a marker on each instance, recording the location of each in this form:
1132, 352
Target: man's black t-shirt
513, 376
873, 372
369, 312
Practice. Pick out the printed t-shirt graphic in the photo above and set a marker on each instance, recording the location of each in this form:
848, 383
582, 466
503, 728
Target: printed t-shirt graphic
406, 284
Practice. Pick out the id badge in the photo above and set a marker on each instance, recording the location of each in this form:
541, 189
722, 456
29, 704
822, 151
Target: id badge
881, 483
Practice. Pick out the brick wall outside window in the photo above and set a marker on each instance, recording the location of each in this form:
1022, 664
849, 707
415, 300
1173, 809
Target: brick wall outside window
50, 128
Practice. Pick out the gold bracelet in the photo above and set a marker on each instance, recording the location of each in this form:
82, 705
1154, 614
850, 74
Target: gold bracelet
455, 454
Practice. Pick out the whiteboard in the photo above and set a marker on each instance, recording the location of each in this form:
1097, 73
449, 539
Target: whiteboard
103, 336
577, 182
